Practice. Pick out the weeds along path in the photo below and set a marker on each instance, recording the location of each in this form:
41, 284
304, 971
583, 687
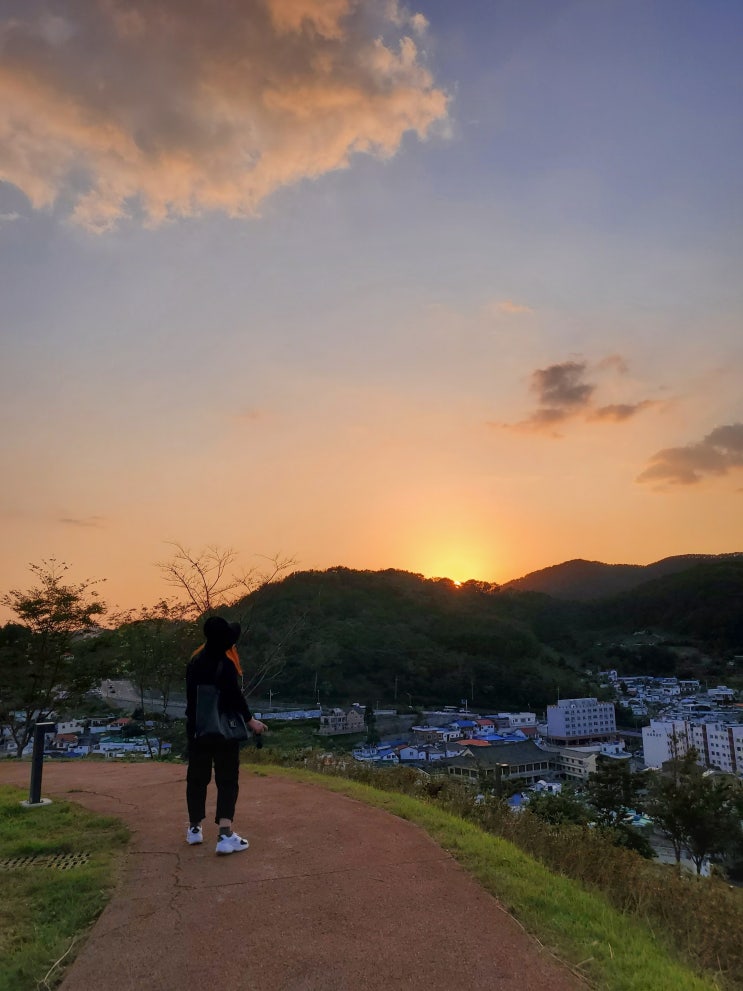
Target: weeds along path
332, 895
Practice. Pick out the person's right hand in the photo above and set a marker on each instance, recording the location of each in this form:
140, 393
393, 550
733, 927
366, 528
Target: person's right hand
256, 726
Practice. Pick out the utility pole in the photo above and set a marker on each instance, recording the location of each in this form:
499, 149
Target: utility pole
395, 688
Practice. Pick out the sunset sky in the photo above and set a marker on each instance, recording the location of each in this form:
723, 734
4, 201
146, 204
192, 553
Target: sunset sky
453, 287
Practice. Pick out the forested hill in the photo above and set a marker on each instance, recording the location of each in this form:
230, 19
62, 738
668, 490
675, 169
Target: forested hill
395, 636
703, 603
587, 580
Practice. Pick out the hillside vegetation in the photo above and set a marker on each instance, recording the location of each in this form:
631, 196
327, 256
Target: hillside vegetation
585, 581
391, 635
398, 637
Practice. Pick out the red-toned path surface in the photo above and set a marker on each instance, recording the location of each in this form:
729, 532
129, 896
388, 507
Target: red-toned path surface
331, 896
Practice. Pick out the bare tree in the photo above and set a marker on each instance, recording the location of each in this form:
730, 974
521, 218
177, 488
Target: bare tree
210, 581
207, 580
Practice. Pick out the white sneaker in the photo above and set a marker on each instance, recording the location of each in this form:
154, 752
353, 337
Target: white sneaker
194, 835
231, 844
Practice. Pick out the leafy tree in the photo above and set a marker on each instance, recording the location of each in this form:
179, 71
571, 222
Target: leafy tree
612, 790
39, 668
712, 822
559, 808
153, 644
699, 812
668, 795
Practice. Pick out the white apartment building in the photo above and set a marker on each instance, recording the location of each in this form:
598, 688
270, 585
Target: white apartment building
581, 722
718, 744
721, 745
665, 738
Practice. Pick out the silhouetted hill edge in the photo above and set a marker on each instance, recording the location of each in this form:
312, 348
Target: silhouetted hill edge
584, 581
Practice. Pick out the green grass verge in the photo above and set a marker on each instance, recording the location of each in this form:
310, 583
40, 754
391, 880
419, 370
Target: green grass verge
613, 951
44, 912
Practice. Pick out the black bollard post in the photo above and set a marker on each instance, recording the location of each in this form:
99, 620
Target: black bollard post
37, 764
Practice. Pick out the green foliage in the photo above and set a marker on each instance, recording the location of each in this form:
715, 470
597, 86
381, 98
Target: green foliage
152, 646
612, 790
399, 637
698, 812
43, 661
43, 912
559, 809
702, 602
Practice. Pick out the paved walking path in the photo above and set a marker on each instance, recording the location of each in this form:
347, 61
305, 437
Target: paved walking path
332, 895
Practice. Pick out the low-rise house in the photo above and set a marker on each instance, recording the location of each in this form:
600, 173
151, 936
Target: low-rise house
525, 762
64, 741
721, 694
383, 753
338, 721
425, 752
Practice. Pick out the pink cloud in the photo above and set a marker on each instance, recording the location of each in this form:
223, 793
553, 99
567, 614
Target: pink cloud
166, 108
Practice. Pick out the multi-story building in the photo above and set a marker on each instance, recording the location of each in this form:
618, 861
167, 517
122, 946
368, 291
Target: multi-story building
665, 739
338, 721
580, 722
719, 744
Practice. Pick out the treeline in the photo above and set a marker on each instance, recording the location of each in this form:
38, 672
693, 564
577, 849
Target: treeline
398, 637
704, 603
369, 636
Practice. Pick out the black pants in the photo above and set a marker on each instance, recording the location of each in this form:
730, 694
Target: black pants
225, 756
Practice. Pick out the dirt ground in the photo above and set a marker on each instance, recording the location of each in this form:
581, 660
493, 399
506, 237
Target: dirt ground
332, 895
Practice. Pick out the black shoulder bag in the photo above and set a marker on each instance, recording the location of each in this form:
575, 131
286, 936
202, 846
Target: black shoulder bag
212, 723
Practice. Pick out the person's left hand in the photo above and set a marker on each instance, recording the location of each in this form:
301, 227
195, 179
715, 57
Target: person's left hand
257, 726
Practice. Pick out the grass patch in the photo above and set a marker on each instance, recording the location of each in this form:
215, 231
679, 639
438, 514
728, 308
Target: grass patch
612, 950
44, 912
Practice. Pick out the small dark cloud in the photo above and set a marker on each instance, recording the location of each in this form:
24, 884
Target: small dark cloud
621, 411
562, 386
718, 453
94, 521
564, 392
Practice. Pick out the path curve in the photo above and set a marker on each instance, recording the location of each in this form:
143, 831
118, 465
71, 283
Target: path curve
332, 895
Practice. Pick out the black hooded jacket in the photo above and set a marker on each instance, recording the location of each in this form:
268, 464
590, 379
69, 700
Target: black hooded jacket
202, 670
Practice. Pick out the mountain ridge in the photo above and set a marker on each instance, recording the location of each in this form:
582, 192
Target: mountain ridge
582, 580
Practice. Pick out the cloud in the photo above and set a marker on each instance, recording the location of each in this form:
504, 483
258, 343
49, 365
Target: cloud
86, 521
717, 454
167, 108
8, 218
561, 386
564, 393
622, 411
513, 309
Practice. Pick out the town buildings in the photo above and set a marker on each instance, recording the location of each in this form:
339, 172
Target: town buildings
580, 722
719, 744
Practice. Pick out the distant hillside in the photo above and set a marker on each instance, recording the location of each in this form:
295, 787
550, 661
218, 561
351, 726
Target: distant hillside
398, 637
704, 603
584, 581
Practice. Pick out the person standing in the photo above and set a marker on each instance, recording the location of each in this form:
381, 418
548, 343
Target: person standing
216, 663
